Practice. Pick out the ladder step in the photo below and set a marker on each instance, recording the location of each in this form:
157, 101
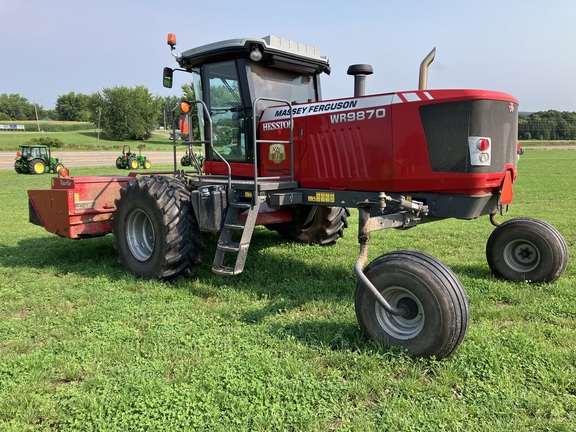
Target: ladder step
241, 205
225, 271
229, 246
234, 226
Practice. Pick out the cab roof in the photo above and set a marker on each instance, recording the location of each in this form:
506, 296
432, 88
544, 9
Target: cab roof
276, 52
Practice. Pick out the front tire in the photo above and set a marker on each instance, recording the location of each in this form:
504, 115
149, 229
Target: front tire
314, 225
527, 249
437, 306
157, 236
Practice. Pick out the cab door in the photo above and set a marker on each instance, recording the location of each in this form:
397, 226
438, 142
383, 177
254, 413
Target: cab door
228, 106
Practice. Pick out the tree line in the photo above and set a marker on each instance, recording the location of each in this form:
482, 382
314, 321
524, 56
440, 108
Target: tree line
121, 113
132, 112
547, 125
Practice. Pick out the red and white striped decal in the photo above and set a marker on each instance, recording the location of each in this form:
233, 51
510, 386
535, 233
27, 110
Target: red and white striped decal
416, 96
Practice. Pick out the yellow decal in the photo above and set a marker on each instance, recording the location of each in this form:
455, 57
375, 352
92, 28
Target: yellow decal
327, 197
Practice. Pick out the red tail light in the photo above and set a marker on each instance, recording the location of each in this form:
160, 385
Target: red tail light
483, 144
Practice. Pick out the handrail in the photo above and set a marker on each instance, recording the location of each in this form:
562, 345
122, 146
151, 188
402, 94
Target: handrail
255, 141
210, 139
258, 141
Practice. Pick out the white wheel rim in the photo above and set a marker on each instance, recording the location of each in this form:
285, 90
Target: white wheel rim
521, 256
140, 235
400, 327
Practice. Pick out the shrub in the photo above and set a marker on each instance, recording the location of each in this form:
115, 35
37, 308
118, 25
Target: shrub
47, 141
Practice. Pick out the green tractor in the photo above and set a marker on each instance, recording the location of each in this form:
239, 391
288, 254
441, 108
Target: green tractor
132, 160
36, 159
188, 159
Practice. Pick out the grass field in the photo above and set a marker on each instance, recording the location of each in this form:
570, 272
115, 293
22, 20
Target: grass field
85, 346
83, 140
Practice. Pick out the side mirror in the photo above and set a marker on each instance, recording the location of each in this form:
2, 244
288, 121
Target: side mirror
167, 77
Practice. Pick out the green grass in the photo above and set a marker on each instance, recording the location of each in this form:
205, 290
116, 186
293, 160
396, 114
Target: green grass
85, 346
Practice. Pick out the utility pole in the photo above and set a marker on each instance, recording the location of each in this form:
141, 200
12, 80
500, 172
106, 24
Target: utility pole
37, 121
99, 115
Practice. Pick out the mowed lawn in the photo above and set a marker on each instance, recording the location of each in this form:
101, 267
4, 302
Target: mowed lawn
84, 346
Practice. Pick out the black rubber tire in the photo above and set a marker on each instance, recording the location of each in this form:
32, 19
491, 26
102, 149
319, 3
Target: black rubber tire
34, 166
119, 163
157, 236
314, 225
184, 161
58, 167
438, 304
18, 167
528, 250
132, 163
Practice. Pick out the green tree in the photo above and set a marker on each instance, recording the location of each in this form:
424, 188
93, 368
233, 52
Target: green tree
168, 105
16, 107
125, 112
73, 107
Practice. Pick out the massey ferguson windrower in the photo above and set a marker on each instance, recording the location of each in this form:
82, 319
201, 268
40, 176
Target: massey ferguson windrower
278, 155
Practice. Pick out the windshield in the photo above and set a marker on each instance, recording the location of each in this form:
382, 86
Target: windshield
225, 106
282, 84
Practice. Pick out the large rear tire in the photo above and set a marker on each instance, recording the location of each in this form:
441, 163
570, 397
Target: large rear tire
437, 305
133, 163
37, 166
527, 249
314, 225
157, 236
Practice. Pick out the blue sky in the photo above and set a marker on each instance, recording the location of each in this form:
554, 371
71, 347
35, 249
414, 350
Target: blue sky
523, 47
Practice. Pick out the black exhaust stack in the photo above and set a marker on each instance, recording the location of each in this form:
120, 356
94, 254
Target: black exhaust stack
360, 71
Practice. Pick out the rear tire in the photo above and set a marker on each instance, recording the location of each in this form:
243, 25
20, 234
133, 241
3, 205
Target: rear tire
119, 163
37, 166
133, 163
157, 236
314, 225
528, 250
18, 167
438, 307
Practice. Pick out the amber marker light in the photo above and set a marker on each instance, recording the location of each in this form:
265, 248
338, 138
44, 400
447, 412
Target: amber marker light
171, 40
63, 172
185, 106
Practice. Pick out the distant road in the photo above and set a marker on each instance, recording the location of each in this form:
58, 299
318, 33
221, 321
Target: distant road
92, 158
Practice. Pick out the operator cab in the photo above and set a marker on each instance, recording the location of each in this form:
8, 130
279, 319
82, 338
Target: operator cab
34, 152
229, 76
